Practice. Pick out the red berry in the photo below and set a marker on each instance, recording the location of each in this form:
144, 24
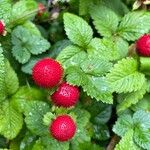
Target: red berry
47, 73
66, 95
63, 128
2, 27
41, 9
143, 45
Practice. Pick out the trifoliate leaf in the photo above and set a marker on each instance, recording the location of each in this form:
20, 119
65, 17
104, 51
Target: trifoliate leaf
123, 124
5, 10
127, 142
11, 79
11, 120
96, 66
129, 99
124, 76
23, 10
26, 94
108, 48
25, 43
142, 128
71, 56
134, 24
34, 112
77, 30
96, 87
106, 25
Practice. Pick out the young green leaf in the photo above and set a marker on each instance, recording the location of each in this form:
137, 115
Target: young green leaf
71, 56
11, 120
23, 10
25, 43
127, 142
123, 124
34, 112
105, 20
77, 30
108, 48
129, 99
124, 76
134, 24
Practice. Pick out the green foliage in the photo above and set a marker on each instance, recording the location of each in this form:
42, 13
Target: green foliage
11, 120
77, 30
34, 112
134, 24
124, 76
139, 124
25, 43
106, 25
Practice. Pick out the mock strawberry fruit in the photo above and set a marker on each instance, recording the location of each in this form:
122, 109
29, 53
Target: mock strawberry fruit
41, 9
66, 95
47, 73
63, 128
143, 45
2, 28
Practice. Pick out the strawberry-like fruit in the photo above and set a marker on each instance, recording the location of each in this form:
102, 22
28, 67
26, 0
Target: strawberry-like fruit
66, 95
47, 73
63, 128
2, 27
143, 45
41, 9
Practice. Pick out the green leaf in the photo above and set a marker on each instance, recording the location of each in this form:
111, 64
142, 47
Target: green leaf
5, 10
134, 24
108, 48
11, 79
71, 56
38, 145
142, 128
77, 30
34, 112
96, 87
2, 75
129, 99
84, 6
106, 25
96, 66
127, 142
123, 124
25, 43
11, 120
52, 144
23, 10
124, 76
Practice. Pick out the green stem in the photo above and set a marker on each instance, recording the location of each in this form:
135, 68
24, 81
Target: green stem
145, 65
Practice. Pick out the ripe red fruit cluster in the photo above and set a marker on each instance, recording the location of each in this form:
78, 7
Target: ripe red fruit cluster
2, 28
63, 128
143, 45
47, 73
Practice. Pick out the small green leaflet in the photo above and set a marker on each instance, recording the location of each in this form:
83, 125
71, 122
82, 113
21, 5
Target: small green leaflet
134, 25
77, 30
23, 10
105, 20
129, 99
71, 56
5, 10
25, 43
96, 87
124, 76
34, 112
127, 142
11, 120
108, 48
